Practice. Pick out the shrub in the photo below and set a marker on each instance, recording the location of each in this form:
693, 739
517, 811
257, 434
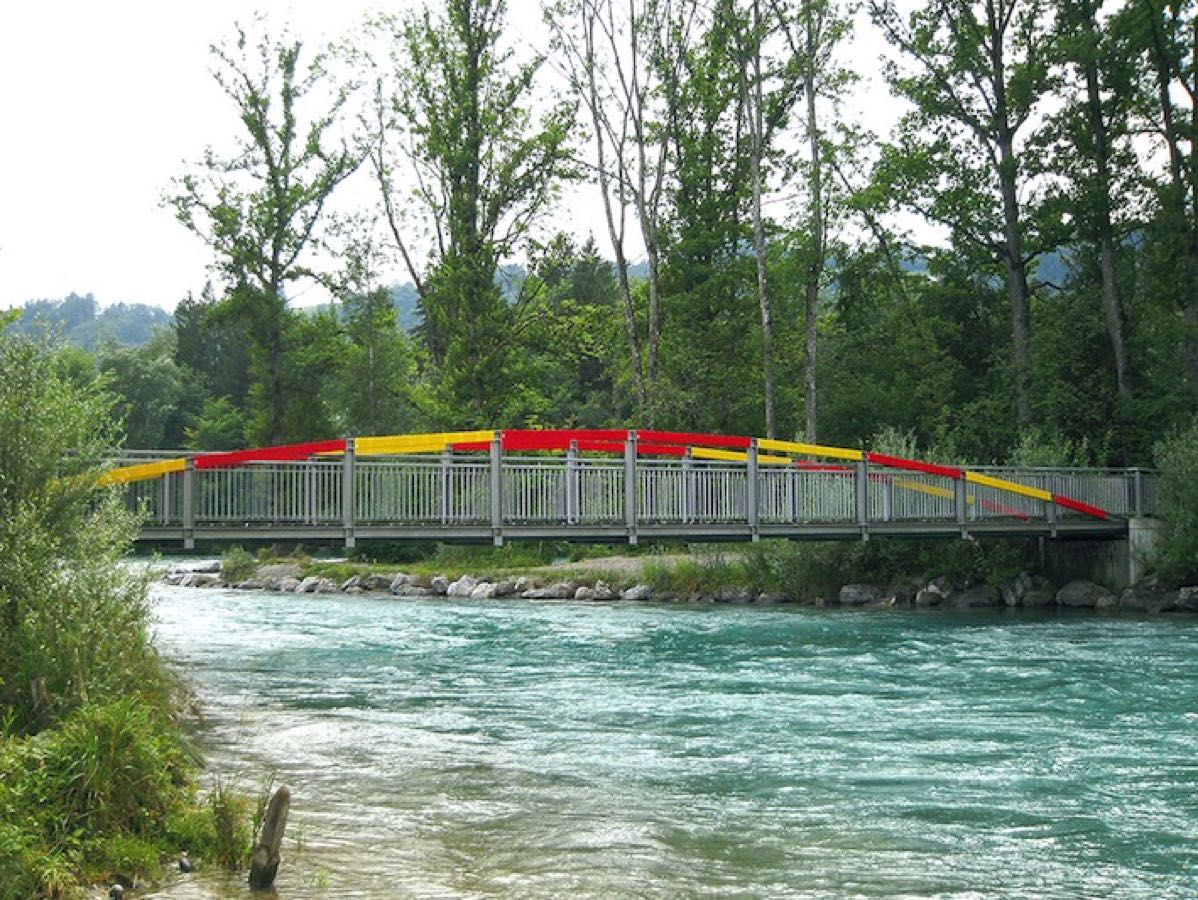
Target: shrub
1176, 458
237, 564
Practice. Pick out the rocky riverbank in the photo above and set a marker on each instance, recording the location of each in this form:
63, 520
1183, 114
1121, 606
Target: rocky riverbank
1024, 591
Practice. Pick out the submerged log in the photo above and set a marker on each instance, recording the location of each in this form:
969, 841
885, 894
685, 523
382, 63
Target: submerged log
264, 864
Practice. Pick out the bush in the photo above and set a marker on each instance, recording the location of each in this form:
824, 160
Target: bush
1176, 458
237, 564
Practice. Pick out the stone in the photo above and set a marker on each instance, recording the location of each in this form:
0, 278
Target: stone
325, 586
1013, 590
1082, 594
1187, 599
979, 596
585, 593
353, 591
637, 592
288, 584
278, 570
505, 589
308, 585
1038, 598
414, 590
399, 581
766, 598
902, 594
484, 590
439, 585
559, 590
860, 594
376, 583
352, 582
605, 592
462, 587
928, 598
523, 583
734, 594
200, 580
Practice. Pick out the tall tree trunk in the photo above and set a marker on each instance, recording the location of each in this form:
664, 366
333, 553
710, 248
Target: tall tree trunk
756, 131
1013, 253
1111, 300
815, 268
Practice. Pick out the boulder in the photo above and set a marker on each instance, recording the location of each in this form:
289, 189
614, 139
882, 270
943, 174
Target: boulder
288, 584
414, 590
439, 585
861, 594
1187, 599
585, 593
1083, 594
325, 586
560, 590
979, 596
903, 593
1013, 590
605, 592
200, 580
484, 590
278, 570
462, 587
354, 581
377, 583
1038, 598
523, 583
308, 585
734, 594
353, 591
505, 589
766, 598
637, 592
928, 598
399, 581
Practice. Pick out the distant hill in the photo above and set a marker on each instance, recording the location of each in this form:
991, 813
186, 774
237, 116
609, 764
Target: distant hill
80, 320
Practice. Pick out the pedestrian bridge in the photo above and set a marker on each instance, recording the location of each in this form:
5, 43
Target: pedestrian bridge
610, 486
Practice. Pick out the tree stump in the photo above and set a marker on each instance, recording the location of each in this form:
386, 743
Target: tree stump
264, 864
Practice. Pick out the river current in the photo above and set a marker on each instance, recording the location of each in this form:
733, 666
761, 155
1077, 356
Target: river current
475, 748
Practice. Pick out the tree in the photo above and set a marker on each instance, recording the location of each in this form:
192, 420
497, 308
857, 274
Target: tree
978, 73
155, 396
262, 208
485, 170
371, 394
625, 65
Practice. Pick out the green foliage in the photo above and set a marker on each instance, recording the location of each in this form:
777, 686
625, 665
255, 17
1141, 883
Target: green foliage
237, 564
1177, 497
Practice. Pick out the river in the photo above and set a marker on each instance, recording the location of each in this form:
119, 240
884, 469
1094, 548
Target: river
471, 749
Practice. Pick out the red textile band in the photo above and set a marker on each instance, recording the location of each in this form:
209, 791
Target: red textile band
728, 441
281, 453
1078, 506
913, 465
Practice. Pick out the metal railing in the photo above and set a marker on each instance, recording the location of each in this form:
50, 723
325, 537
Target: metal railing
595, 496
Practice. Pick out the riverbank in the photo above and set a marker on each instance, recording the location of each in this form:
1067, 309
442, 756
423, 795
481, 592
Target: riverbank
677, 578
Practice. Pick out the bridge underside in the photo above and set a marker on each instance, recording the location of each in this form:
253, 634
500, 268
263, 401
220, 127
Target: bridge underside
615, 534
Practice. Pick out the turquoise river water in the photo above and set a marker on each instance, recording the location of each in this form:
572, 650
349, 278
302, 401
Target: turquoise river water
472, 749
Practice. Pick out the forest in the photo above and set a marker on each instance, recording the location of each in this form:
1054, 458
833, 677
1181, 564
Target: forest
1008, 273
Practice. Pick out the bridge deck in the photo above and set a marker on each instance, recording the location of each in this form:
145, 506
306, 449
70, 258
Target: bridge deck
495, 497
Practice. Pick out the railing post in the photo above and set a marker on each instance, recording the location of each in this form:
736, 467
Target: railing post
1138, 492
688, 487
572, 483
348, 512
752, 470
630, 486
959, 505
1050, 513
862, 480
446, 483
792, 491
887, 498
189, 507
497, 489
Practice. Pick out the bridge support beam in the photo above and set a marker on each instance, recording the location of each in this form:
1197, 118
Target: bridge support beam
630, 486
751, 483
189, 504
348, 465
497, 489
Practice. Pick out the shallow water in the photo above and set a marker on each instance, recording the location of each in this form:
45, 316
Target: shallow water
469, 749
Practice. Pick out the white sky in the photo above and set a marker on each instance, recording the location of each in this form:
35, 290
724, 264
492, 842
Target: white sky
101, 105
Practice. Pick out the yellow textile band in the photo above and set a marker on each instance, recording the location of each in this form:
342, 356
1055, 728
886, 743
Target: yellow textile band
930, 490
1011, 486
808, 449
418, 443
726, 455
141, 472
